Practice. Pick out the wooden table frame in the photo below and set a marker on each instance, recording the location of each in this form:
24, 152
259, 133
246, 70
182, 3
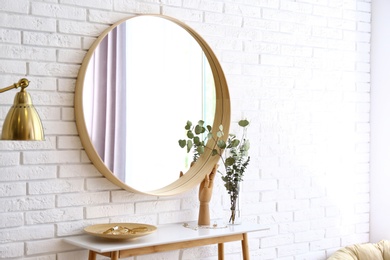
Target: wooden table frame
149, 246
115, 255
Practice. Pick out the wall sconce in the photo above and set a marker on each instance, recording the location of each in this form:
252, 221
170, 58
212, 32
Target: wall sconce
22, 121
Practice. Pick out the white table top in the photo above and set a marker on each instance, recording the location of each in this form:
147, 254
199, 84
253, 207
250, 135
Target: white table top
164, 234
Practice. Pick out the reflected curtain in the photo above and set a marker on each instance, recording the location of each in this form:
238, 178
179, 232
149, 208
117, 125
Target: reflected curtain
105, 100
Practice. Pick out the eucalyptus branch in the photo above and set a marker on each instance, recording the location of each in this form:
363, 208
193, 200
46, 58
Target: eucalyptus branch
233, 153
230, 152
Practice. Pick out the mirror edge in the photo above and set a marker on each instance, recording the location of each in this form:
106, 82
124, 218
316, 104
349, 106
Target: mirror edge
205, 163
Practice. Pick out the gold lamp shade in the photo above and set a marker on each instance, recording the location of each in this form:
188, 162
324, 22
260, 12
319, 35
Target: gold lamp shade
22, 121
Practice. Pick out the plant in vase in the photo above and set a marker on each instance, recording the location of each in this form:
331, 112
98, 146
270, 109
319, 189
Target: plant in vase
233, 153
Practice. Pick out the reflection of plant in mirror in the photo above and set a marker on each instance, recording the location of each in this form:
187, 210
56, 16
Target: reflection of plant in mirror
233, 154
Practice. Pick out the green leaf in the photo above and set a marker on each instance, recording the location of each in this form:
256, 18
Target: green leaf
188, 125
190, 134
199, 129
235, 143
200, 122
209, 128
189, 146
214, 152
246, 145
196, 140
182, 143
220, 128
243, 123
219, 134
221, 144
230, 161
200, 149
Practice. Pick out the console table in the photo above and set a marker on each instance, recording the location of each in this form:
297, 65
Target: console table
166, 238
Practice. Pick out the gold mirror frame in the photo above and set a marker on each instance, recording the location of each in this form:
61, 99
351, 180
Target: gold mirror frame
206, 161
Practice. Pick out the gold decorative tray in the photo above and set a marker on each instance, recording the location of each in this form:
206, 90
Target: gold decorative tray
120, 230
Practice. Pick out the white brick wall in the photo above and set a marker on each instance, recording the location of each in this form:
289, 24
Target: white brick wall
298, 70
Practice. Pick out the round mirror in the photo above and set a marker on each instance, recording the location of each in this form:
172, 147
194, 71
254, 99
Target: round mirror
139, 83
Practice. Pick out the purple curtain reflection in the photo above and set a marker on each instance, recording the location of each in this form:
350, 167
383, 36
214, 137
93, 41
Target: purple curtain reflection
105, 100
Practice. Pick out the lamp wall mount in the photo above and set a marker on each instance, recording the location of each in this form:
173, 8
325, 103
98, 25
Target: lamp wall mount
23, 83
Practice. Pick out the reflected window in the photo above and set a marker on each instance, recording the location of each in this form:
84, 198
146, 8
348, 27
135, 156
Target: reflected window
143, 88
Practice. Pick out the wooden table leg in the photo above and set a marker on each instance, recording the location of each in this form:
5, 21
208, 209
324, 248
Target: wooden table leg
92, 255
245, 248
115, 255
221, 254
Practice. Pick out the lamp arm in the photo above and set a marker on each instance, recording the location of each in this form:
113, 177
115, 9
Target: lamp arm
23, 83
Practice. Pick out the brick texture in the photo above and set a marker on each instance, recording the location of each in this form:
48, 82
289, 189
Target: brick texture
298, 70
